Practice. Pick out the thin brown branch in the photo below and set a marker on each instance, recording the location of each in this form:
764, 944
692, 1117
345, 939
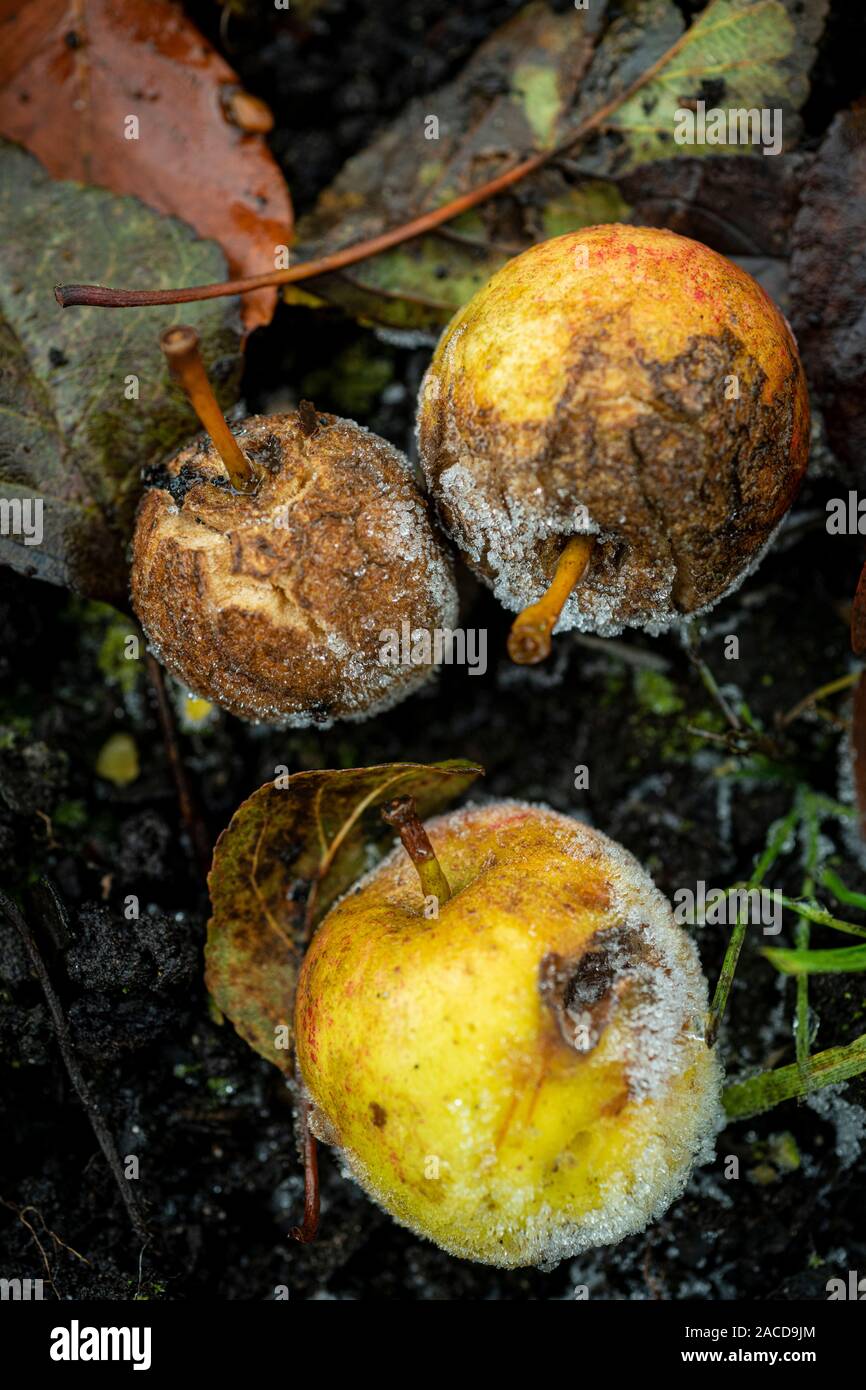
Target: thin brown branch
306, 1233
104, 1137
98, 295
189, 808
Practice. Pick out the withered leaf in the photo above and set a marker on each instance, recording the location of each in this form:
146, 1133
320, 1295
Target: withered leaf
737, 55
86, 403
72, 76
527, 90
826, 305
858, 617
858, 747
287, 855
740, 207
508, 101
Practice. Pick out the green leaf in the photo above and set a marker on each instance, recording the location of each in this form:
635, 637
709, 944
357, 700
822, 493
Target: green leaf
286, 857
841, 892
813, 912
737, 55
68, 434
841, 959
742, 1099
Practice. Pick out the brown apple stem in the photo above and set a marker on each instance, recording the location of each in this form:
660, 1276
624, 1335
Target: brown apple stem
403, 815
306, 1233
180, 346
529, 638
308, 417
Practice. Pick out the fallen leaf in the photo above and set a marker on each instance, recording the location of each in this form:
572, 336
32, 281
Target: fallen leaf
828, 285
740, 207
507, 102
74, 74
737, 55
858, 751
287, 855
858, 617
72, 434
527, 89
841, 958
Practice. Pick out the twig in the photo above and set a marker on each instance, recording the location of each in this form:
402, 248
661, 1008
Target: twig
307, 1232
709, 681
68, 295
189, 809
67, 1052
19, 1212
831, 688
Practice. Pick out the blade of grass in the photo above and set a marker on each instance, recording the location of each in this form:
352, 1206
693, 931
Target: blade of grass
801, 963
773, 849
809, 836
840, 892
813, 913
742, 1099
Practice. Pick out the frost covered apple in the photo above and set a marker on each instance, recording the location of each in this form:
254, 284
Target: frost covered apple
619, 409
523, 1074
270, 595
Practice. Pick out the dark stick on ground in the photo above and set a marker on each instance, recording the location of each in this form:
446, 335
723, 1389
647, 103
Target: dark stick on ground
103, 1134
306, 1233
189, 808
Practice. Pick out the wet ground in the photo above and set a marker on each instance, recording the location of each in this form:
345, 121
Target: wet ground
209, 1121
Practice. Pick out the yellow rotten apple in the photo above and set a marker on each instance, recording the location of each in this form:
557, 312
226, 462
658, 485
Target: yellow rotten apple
510, 1053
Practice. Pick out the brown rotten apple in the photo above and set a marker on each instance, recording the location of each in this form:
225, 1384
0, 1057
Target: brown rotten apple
619, 416
266, 573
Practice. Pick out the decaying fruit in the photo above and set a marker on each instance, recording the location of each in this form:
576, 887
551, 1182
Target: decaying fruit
627, 387
270, 594
523, 1075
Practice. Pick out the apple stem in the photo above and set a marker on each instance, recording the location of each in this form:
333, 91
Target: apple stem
309, 418
306, 1233
529, 638
180, 346
403, 815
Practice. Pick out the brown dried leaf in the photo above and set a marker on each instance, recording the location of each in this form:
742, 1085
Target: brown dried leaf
858, 617
858, 747
286, 857
828, 284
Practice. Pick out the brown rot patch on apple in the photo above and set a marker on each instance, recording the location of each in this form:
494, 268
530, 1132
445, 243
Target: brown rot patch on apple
378, 1114
649, 396
583, 992
683, 485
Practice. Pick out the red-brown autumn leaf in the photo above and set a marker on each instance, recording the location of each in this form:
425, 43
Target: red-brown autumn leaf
73, 71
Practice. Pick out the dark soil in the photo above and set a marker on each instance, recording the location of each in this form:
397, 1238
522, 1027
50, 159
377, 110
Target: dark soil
209, 1122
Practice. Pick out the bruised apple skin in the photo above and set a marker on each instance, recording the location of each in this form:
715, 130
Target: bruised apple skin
524, 1076
273, 604
589, 387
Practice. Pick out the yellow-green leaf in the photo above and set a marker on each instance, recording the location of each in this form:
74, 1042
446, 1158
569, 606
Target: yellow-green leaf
290, 851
